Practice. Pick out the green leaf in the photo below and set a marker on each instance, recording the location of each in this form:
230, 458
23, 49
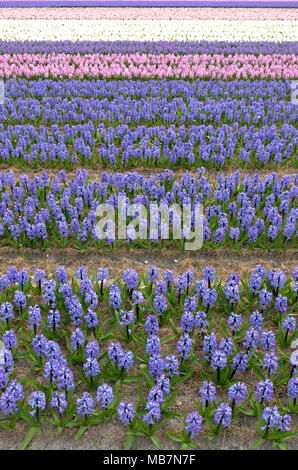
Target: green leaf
173, 327
129, 441
174, 436
80, 432
132, 378
258, 443
186, 376
28, 438
247, 411
282, 446
259, 373
155, 441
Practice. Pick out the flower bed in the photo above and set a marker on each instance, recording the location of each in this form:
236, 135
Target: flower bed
84, 339
52, 212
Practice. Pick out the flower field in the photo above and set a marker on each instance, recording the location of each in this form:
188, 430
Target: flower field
132, 340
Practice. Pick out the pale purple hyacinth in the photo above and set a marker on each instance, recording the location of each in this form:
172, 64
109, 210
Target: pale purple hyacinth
207, 392
125, 359
226, 345
10, 339
153, 345
130, 279
163, 382
285, 423
137, 298
264, 391
20, 299
160, 304
92, 349
37, 401
104, 395
293, 388
59, 401
151, 325
289, 323
193, 423
156, 365
34, 316
256, 320
281, 304
223, 415
239, 362
152, 274
9, 399
85, 405
209, 275
235, 321
270, 362
65, 379
268, 340
184, 346
209, 345
218, 360
156, 395
91, 367
4, 378
126, 412
77, 339
153, 412
187, 322
168, 276
6, 311
201, 321
271, 416
251, 339
171, 365
237, 392
114, 352
39, 343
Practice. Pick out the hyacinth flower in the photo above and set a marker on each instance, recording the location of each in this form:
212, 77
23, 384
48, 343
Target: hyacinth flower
237, 393
235, 322
53, 323
62, 410
293, 393
126, 413
76, 345
149, 279
294, 359
6, 313
208, 394
11, 403
35, 350
275, 427
287, 331
37, 404
126, 322
222, 418
270, 363
154, 413
102, 277
119, 363
192, 426
84, 408
108, 401
137, 299
131, 281
20, 301
34, 317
